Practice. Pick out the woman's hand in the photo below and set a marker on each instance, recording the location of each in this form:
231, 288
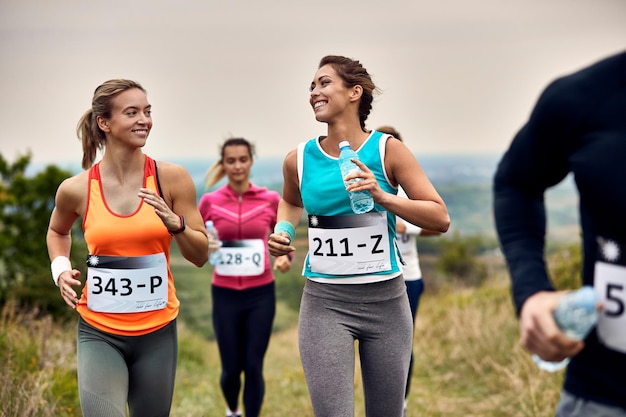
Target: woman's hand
67, 279
282, 263
214, 244
279, 244
170, 219
400, 226
368, 182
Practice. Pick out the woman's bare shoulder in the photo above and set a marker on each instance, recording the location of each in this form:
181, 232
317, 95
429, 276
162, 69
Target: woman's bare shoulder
75, 184
171, 169
72, 192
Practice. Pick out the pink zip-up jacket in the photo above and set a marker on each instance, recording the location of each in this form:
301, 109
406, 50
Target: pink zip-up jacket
249, 216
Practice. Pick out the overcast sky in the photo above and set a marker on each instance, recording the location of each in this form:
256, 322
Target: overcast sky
457, 76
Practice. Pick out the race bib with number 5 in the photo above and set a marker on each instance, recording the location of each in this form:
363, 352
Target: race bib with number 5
610, 284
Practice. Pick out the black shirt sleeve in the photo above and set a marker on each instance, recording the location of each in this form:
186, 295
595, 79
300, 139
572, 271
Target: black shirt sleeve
536, 160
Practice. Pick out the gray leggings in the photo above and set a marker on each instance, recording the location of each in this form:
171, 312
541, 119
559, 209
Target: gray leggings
571, 406
115, 370
332, 318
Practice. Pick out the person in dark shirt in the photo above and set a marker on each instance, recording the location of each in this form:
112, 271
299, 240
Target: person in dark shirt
578, 125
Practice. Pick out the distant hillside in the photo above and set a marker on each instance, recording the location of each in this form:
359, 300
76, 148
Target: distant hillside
464, 182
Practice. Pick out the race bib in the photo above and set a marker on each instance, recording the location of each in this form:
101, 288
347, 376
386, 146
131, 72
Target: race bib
610, 285
241, 258
349, 245
405, 243
121, 284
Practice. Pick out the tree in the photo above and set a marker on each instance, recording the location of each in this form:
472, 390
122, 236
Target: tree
459, 260
25, 207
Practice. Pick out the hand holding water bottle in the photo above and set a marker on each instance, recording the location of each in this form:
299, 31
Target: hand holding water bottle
361, 201
554, 325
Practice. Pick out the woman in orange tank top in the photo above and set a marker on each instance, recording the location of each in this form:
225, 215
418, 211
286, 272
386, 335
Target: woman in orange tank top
131, 209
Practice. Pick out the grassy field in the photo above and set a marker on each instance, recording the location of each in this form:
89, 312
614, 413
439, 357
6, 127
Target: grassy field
468, 359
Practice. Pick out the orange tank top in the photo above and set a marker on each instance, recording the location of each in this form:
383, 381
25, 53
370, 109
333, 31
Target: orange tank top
140, 233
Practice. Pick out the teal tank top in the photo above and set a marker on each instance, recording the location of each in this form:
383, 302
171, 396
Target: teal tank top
324, 194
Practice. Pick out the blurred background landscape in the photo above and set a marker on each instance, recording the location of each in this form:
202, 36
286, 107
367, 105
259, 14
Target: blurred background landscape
468, 359
457, 79
463, 180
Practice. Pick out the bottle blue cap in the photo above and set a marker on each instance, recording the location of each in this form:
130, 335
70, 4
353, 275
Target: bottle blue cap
587, 297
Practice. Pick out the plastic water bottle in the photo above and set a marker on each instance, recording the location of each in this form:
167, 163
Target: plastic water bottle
361, 201
575, 315
214, 257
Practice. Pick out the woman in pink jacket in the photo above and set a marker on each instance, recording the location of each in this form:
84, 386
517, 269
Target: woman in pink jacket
243, 292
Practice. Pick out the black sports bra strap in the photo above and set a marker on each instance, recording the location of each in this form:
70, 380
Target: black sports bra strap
158, 183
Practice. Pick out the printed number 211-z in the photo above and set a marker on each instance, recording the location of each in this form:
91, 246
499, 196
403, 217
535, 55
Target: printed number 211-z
343, 244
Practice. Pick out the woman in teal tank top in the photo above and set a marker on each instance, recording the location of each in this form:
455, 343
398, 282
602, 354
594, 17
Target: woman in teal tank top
354, 289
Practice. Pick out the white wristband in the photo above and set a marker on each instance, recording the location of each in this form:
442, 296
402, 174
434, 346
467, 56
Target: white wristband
59, 265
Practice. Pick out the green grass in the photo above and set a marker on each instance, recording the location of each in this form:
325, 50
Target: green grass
468, 361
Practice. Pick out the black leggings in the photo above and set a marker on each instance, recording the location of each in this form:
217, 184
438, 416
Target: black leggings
114, 371
414, 289
243, 324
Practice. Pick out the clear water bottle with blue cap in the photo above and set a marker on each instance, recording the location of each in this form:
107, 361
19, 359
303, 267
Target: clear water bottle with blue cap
361, 201
575, 315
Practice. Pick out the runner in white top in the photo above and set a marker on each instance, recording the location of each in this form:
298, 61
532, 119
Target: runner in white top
407, 244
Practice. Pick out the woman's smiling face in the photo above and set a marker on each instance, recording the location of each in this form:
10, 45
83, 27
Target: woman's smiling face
329, 95
131, 117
